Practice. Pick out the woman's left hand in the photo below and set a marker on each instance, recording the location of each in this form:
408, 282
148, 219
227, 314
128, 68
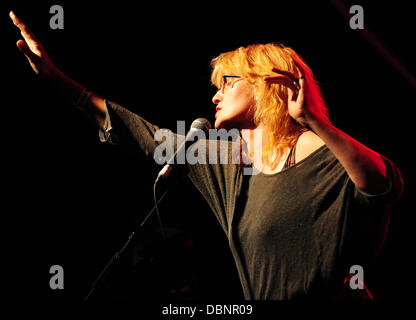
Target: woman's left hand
296, 97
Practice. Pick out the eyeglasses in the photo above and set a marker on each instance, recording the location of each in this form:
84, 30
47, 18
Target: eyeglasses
227, 84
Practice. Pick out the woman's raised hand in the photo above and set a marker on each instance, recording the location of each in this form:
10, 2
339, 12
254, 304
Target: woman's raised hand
72, 91
34, 50
289, 79
295, 83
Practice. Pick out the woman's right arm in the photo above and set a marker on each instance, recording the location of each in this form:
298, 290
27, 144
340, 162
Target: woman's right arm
71, 90
118, 125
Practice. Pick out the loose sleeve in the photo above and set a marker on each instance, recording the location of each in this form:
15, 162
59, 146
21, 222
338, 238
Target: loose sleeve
128, 130
369, 216
219, 182
216, 178
393, 191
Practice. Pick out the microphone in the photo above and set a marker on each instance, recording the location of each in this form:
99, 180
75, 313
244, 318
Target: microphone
197, 125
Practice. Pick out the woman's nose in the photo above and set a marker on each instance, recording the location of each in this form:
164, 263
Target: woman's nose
217, 97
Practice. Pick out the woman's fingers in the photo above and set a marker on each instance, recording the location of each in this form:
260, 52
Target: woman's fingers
27, 34
292, 80
33, 49
288, 79
286, 73
19, 23
30, 56
25, 49
14, 18
276, 79
284, 80
294, 77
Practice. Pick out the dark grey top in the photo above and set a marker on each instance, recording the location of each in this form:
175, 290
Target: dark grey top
293, 234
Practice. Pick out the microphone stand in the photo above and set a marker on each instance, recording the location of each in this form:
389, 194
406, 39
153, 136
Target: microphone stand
198, 124
116, 257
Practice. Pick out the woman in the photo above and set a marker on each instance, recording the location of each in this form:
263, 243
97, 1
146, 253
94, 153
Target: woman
320, 201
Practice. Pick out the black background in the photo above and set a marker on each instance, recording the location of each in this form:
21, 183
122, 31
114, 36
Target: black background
69, 200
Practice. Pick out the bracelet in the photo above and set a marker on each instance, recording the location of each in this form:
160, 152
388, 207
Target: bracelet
83, 98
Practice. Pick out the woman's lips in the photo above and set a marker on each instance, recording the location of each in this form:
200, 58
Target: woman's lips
217, 109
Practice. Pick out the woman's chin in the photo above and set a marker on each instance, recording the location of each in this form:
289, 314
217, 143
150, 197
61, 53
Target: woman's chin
218, 124
227, 124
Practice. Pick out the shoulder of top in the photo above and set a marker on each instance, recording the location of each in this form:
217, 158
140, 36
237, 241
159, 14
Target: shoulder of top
308, 142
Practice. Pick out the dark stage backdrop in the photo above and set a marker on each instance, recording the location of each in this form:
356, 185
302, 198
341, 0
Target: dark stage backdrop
68, 200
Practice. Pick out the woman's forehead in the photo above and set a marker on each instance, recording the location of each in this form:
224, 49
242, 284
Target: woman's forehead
217, 75
220, 71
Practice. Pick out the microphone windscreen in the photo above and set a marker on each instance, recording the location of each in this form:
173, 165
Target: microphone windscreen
201, 124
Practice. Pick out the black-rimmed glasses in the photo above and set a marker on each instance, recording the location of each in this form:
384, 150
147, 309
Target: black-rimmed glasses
226, 83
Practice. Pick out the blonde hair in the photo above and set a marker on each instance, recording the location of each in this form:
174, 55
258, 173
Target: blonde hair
253, 63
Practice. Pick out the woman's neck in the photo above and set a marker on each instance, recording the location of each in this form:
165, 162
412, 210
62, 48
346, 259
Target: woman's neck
257, 139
